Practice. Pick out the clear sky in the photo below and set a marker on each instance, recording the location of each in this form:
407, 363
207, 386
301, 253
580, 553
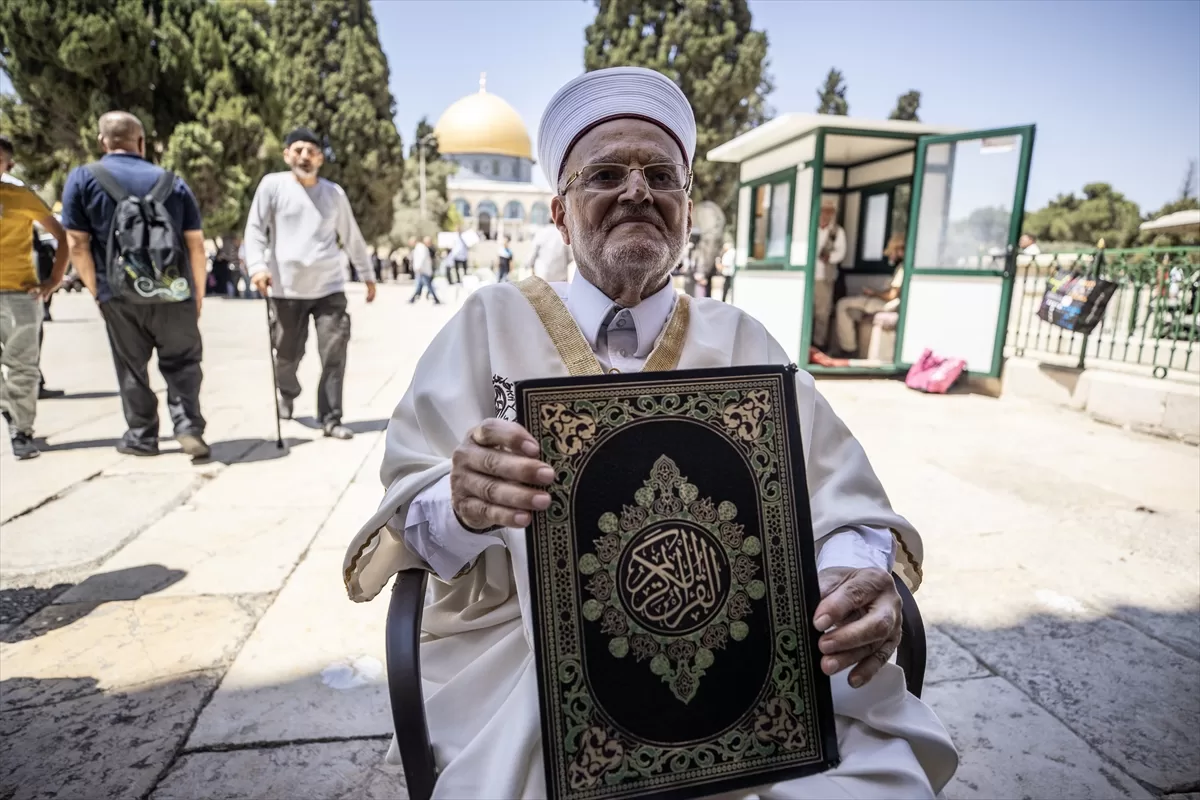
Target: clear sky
1114, 87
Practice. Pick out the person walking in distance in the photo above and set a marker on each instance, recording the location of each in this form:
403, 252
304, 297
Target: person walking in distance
298, 236
458, 255
136, 240
422, 266
22, 296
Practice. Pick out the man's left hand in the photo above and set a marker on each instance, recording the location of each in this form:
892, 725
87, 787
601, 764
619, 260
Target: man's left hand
370, 291
863, 607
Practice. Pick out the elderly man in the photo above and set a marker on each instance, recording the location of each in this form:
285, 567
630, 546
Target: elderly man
831, 251
463, 480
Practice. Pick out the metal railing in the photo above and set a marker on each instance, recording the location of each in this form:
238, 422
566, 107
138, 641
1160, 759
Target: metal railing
1152, 320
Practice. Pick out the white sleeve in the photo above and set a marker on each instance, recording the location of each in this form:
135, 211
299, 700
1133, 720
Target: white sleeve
839, 247
433, 532
256, 239
856, 547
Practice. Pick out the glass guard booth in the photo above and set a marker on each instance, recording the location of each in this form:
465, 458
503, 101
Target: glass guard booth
956, 198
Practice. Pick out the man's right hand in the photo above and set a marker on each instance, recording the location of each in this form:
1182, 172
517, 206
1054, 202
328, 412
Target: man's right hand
494, 474
261, 281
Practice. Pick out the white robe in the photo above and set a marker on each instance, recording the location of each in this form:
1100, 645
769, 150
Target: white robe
476, 653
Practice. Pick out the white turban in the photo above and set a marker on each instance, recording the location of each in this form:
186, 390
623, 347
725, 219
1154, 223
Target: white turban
608, 94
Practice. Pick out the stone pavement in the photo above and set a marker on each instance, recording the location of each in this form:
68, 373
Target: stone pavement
170, 630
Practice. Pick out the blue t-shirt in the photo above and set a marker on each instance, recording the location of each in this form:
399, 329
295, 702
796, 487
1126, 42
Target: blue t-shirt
87, 207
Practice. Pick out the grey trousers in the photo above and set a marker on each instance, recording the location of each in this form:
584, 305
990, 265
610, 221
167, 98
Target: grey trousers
822, 307
20, 322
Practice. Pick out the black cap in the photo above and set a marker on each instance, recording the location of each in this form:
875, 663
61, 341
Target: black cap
301, 135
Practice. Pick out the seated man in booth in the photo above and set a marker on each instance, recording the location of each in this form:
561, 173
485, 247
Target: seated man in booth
851, 310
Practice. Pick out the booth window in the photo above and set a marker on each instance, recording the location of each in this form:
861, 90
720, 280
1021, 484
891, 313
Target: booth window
770, 222
884, 213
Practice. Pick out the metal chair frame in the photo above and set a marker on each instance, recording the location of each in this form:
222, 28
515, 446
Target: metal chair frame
408, 701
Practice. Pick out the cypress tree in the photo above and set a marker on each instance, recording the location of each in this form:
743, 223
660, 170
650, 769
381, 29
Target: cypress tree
332, 77
832, 95
906, 106
711, 52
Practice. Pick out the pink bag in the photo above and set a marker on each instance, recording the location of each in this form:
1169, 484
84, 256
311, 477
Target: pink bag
933, 373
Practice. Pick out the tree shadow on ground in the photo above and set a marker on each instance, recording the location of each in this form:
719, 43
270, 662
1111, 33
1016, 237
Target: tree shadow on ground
31, 613
358, 426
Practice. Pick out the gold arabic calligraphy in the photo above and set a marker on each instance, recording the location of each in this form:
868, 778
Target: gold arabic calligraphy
674, 577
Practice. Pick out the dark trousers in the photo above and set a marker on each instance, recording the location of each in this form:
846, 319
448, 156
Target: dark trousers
726, 288
290, 333
460, 268
134, 332
505, 266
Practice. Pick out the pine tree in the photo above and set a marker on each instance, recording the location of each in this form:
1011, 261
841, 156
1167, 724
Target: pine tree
332, 77
231, 141
906, 106
439, 213
832, 95
711, 52
71, 62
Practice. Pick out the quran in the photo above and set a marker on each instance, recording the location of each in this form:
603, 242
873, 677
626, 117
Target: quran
673, 584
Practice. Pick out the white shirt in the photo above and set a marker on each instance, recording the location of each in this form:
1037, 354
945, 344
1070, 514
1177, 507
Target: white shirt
621, 338
422, 261
459, 251
827, 271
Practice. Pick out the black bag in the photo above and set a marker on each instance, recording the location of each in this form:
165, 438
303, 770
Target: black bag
1075, 302
45, 258
146, 261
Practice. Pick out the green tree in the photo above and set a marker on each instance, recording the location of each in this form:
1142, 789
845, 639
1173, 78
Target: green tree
231, 141
440, 215
69, 62
832, 95
425, 131
906, 106
1100, 213
708, 48
332, 77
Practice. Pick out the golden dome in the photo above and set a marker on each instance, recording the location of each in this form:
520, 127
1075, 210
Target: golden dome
482, 123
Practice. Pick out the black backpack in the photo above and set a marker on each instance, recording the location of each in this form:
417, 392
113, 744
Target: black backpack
146, 261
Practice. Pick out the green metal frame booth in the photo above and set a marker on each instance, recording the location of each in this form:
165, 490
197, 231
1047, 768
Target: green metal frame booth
959, 196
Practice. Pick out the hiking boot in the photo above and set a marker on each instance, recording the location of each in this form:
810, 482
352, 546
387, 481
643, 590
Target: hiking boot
49, 394
194, 445
285, 408
23, 446
336, 430
140, 450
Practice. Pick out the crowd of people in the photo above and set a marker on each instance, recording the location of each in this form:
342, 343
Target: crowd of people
132, 233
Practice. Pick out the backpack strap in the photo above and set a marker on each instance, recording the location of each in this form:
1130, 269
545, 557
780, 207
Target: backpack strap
163, 186
107, 182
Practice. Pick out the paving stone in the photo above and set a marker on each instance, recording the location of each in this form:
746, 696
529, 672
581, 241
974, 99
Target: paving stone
1129, 696
101, 746
325, 771
947, 661
313, 667
216, 550
88, 522
123, 644
355, 507
1009, 747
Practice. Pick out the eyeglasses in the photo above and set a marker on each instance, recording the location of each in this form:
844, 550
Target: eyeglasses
660, 178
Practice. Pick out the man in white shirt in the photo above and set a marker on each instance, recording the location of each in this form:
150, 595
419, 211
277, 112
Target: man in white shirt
728, 263
831, 251
463, 481
299, 234
422, 265
457, 266
551, 257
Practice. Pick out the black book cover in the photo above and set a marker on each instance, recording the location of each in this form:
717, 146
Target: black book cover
673, 584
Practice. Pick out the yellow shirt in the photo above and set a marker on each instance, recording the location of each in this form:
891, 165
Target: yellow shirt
19, 209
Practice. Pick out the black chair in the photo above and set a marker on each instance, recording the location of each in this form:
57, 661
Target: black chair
408, 701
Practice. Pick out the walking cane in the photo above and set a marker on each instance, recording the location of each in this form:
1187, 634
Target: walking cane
274, 377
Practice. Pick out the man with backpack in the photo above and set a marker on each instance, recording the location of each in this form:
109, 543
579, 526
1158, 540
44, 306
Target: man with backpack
22, 294
136, 240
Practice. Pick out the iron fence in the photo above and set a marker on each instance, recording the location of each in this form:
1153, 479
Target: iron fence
1152, 320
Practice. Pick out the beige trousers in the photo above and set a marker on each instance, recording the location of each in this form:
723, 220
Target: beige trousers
822, 307
850, 311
